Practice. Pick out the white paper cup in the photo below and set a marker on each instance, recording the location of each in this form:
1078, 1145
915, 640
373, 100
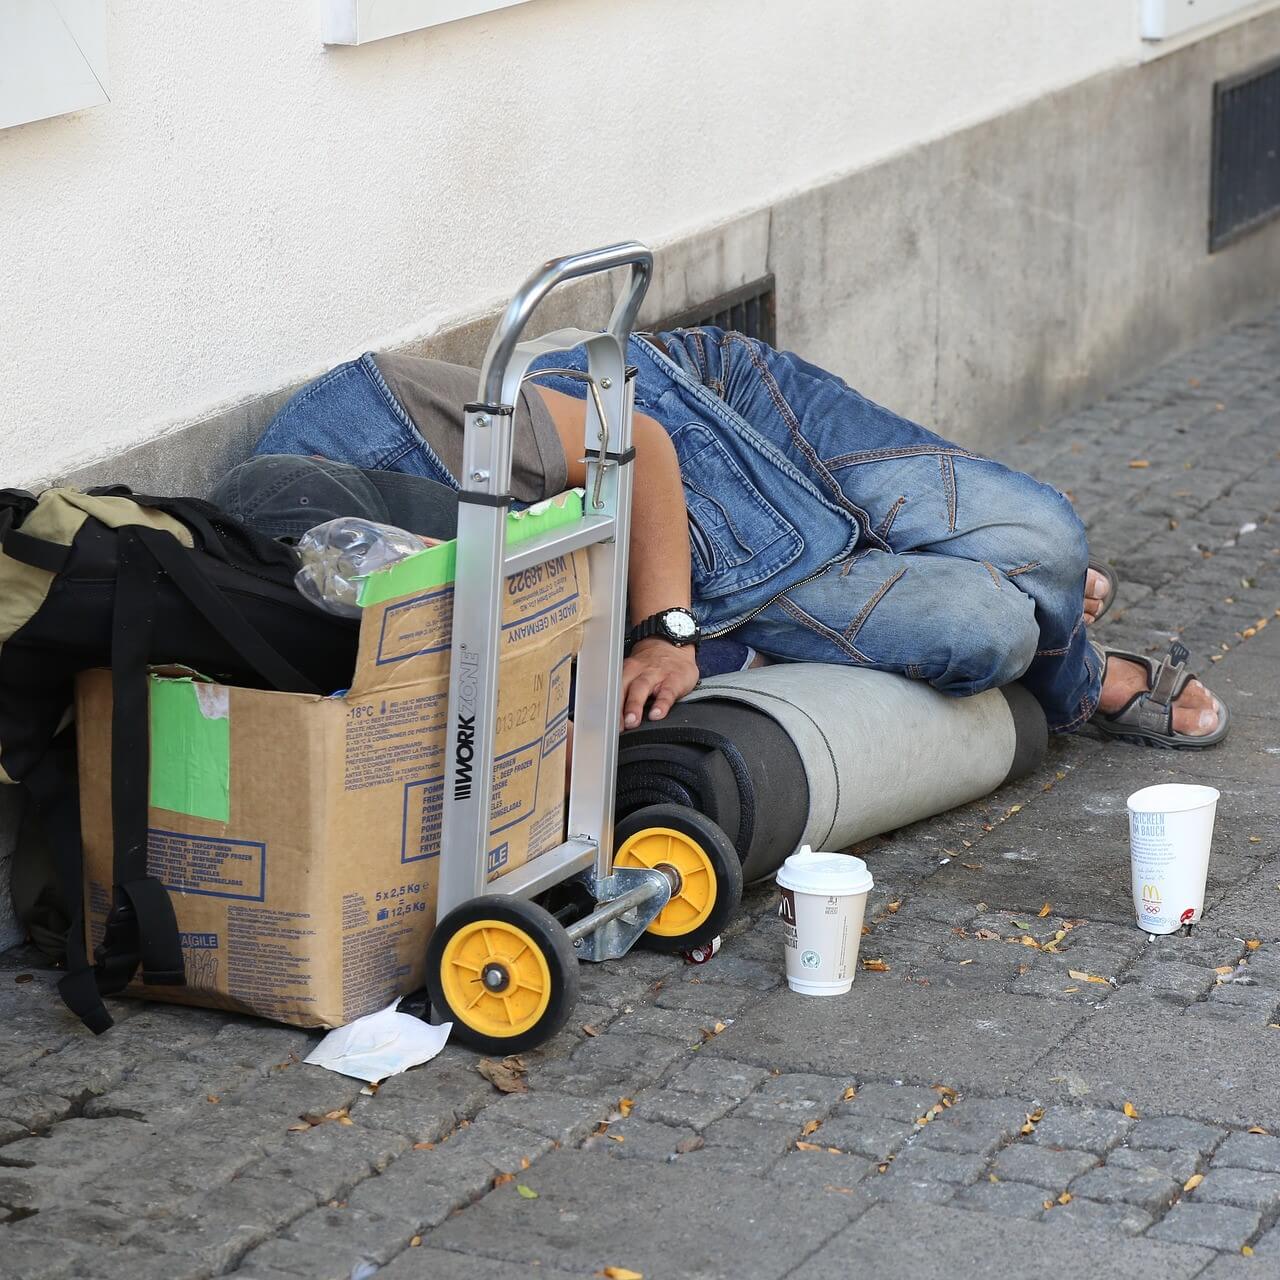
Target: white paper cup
1170, 833
824, 896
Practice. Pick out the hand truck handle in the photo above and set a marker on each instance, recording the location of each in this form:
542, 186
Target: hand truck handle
556, 272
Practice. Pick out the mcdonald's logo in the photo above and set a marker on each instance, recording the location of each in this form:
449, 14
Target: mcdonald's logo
1151, 899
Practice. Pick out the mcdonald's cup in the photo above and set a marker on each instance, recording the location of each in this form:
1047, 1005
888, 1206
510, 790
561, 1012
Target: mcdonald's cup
1170, 835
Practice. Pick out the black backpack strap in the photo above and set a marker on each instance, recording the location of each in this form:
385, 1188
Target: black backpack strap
53, 787
15, 505
141, 926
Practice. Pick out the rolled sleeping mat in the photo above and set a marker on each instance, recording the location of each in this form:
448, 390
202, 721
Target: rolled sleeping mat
730, 761
859, 753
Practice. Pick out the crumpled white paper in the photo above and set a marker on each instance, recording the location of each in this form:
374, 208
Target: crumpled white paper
379, 1045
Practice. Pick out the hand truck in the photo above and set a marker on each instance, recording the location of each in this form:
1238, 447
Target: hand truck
501, 966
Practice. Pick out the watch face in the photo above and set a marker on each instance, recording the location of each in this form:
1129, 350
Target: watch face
679, 624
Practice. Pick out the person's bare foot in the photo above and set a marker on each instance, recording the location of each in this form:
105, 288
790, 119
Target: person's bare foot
1095, 592
1195, 710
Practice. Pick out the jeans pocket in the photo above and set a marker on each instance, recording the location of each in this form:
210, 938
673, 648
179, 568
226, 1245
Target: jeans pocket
738, 538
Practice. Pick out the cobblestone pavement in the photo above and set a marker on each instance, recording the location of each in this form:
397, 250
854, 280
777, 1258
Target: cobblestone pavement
1031, 1087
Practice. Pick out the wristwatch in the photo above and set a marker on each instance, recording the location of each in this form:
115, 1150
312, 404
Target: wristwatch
675, 626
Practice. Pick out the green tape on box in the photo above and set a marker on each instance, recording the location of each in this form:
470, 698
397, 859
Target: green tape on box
437, 566
190, 748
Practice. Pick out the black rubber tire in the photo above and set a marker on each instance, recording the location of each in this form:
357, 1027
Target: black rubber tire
548, 935
719, 851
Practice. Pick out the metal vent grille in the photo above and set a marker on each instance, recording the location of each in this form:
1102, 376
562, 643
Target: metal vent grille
1246, 154
750, 310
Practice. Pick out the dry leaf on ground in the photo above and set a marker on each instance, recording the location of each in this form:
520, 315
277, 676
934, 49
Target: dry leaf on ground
1139, 463
1044, 911
1257, 1128
1080, 976
625, 1105
810, 1126
1131, 1111
685, 1145
987, 935
526, 1193
589, 1030
892, 908
506, 1076
1252, 943
849, 1094
808, 1146
875, 966
620, 1273
501, 1179
1193, 1182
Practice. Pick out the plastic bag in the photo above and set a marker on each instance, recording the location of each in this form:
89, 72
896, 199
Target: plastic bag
336, 555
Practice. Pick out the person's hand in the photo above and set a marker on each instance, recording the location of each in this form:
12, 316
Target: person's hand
657, 674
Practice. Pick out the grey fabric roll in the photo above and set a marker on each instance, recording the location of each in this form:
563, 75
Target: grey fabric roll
881, 751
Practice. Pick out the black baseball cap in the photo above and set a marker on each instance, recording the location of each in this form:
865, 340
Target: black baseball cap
284, 494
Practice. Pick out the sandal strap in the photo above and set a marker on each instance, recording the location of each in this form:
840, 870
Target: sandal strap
1171, 676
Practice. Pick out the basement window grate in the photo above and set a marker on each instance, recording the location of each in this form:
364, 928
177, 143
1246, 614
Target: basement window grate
1246, 154
750, 310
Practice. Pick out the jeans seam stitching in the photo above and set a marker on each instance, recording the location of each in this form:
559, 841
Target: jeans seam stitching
889, 453
886, 525
806, 620
1057, 653
991, 569
1022, 568
850, 632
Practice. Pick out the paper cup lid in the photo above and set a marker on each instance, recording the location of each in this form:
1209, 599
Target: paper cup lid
810, 871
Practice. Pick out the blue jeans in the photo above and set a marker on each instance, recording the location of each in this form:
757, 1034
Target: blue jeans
823, 527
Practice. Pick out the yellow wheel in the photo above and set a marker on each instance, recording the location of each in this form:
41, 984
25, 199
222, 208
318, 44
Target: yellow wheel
503, 971
708, 870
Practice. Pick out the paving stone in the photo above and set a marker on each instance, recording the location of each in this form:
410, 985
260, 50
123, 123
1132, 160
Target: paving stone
440, 1264
1188, 982
1249, 1151
750, 1135
1246, 1188
602, 1065
570, 1185
901, 1242
636, 1139
824, 1173
1042, 1166
425, 1105
870, 1136
411, 1190
329, 1159
976, 1125
1007, 1199
686, 1027
1179, 1165
682, 1106
992, 1039
1175, 1133
894, 1102
560, 1117
1216, 1226
34, 1111
936, 1166
713, 998
718, 1076
1081, 1129
1148, 1189
797, 1097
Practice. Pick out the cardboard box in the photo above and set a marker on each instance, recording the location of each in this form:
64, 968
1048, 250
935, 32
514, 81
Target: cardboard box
299, 836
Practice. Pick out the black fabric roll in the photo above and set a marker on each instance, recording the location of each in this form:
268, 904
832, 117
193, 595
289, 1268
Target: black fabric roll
728, 761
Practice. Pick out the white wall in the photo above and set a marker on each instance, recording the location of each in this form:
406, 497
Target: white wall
251, 206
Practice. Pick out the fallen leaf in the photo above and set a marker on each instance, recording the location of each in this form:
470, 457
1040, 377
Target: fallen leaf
1255, 839
589, 1030
883, 1168
972, 866
24, 977
1044, 911
1252, 943
524, 1162
299, 1128
1037, 1115
505, 1076
986, 935
1065, 1198
1070, 990
1249, 632
625, 1105
526, 1193
501, 1179
1081, 976
946, 1091
1246, 1251
1015, 808
1048, 1204
345, 1120
1131, 1111
991, 1177
810, 1126
1193, 1182
424, 1146
685, 1145
849, 1094
1225, 969
965, 962
615, 1137
844, 1191
1257, 1128
1138, 463
1028, 941
1029, 1128
892, 908
212, 1097
620, 1273
875, 966
808, 1146
866, 929
415, 1242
